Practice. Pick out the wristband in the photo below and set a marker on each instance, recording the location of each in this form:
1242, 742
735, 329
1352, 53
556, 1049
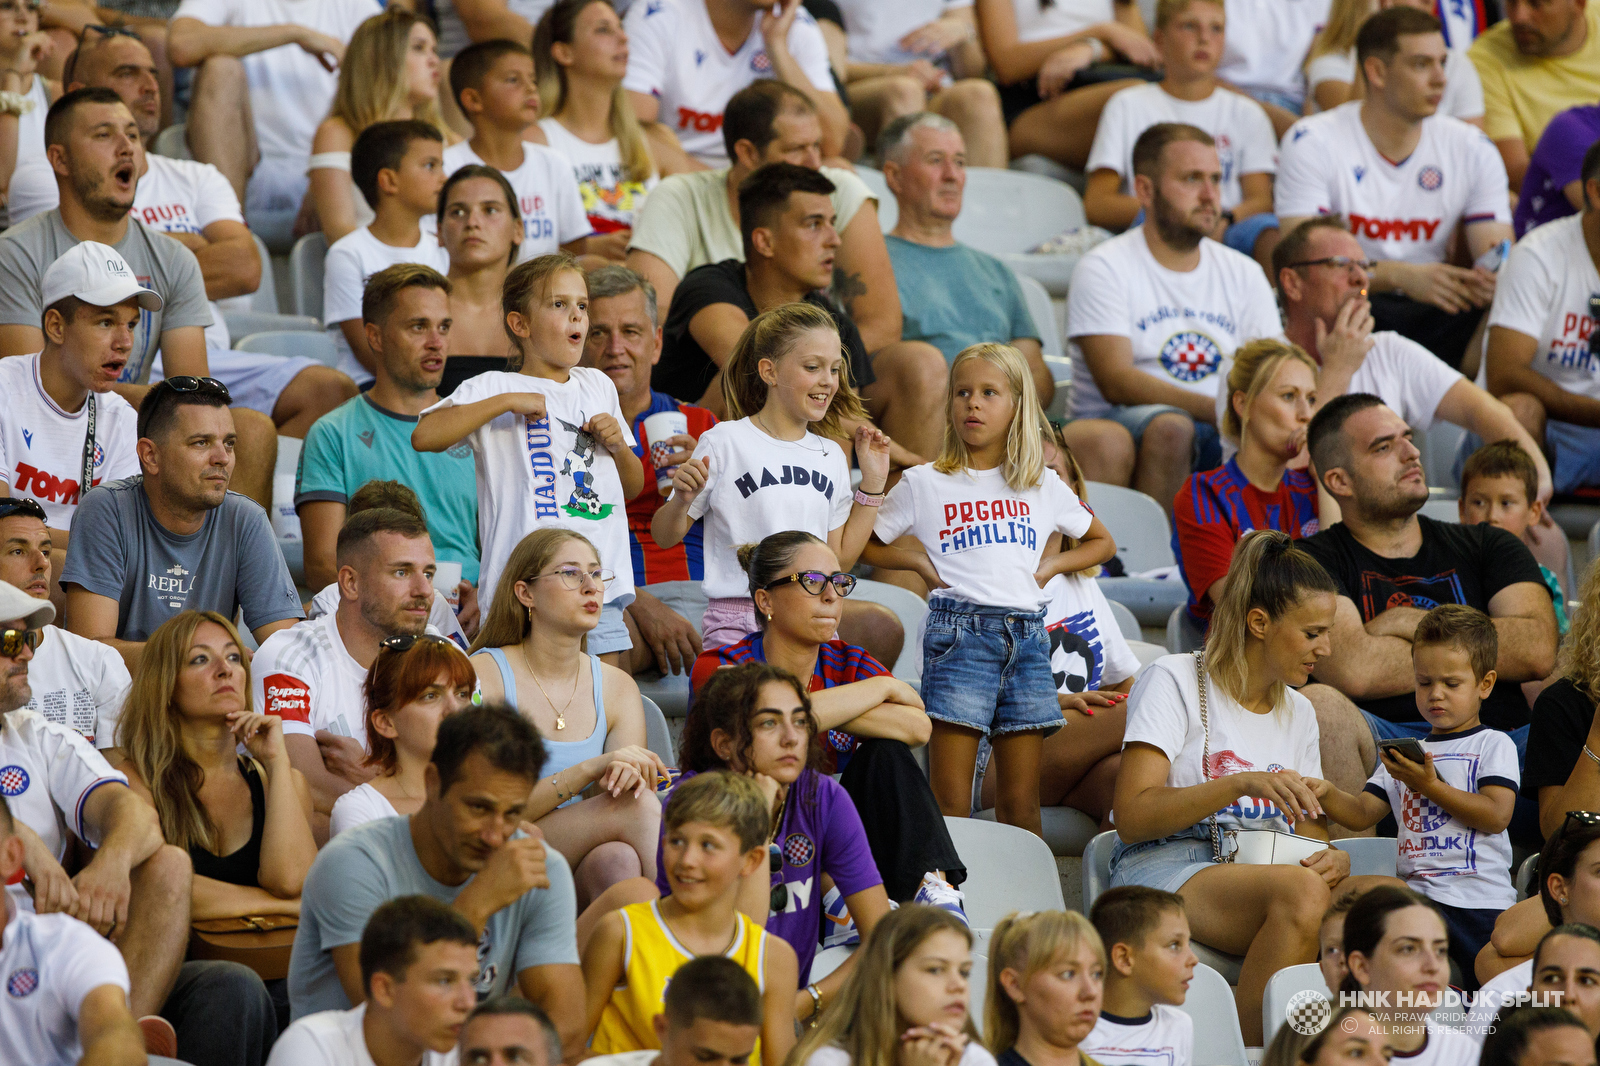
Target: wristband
1097, 49
869, 499
816, 1001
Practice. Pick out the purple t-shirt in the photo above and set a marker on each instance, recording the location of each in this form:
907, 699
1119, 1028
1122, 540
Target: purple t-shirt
820, 833
1556, 163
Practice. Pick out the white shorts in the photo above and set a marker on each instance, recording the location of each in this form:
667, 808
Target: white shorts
254, 379
272, 199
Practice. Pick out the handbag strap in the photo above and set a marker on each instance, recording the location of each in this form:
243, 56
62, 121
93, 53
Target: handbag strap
1205, 752
86, 479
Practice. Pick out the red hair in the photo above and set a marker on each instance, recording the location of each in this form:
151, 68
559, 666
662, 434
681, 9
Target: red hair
397, 678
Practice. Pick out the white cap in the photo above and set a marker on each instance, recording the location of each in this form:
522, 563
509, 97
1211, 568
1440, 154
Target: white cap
14, 604
97, 275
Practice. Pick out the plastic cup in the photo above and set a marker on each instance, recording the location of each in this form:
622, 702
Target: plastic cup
658, 429
447, 579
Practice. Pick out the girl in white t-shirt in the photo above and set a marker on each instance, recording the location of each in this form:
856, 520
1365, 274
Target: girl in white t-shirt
906, 1001
778, 467
580, 54
1186, 782
409, 690
1046, 983
989, 515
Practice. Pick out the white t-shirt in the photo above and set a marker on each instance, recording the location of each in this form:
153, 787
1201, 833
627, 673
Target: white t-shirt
1245, 141
1164, 1037
547, 195
625, 1058
974, 1055
1463, 90
441, 616
1400, 212
1267, 41
1181, 325
610, 197
41, 445
360, 805
80, 683
290, 91
759, 485
875, 28
1491, 996
1087, 648
1164, 712
1447, 861
334, 1038
305, 676
47, 773
50, 963
548, 473
985, 538
33, 170
675, 55
1444, 1047
1543, 292
1063, 18
353, 259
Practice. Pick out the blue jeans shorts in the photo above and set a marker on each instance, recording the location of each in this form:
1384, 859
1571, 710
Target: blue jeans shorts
1383, 729
611, 635
988, 669
1136, 418
1574, 455
1163, 864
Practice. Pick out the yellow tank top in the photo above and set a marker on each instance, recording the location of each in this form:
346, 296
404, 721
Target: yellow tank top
653, 955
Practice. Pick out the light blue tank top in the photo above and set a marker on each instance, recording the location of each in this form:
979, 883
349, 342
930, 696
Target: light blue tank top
561, 753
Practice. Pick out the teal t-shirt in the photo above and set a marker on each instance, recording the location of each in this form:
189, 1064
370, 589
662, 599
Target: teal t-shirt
358, 441
957, 296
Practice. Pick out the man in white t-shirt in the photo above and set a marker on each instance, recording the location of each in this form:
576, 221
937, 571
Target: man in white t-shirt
688, 57
419, 971
67, 987
1405, 213
266, 74
1190, 37
1153, 313
311, 675
1463, 90
1544, 337
711, 1016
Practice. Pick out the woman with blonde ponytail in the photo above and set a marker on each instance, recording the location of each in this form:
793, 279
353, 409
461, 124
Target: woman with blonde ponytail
1046, 980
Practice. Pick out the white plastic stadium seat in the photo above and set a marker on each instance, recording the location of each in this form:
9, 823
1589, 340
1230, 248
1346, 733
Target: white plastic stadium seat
1136, 522
305, 273
1526, 881
658, 738
242, 324
1126, 621
318, 346
1441, 510
1183, 634
888, 206
1217, 1038
1008, 869
1439, 446
1044, 316
1281, 987
910, 609
1066, 829
265, 298
977, 986
1371, 855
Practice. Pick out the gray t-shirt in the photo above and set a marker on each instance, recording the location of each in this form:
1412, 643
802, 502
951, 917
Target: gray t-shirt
159, 262
119, 550
362, 868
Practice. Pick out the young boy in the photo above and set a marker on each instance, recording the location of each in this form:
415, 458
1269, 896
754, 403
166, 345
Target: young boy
495, 88
399, 168
717, 826
1500, 486
1330, 942
1454, 805
1148, 969
711, 1017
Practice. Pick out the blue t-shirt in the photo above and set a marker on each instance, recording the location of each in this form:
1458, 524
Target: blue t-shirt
358, 441
363, 868
957, 296
1555, 164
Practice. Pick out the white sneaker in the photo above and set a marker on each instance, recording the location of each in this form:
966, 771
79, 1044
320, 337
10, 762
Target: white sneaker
935, 891
840, 927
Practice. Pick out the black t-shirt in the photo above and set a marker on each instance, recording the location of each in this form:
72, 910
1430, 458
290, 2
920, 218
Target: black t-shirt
1457, 564
1561, 719
685, 370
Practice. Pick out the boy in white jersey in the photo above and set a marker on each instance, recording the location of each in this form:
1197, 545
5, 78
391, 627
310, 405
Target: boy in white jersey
1406, 177
1148, 968
494, 86
1454, 805
399, 168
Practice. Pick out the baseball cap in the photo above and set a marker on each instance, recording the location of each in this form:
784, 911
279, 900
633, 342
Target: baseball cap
14, 603
96, 274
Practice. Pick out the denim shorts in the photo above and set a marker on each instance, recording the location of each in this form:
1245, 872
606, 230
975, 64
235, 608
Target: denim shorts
611, 635
1164, 864
1574, 455
988, 669
1243, 234
1136, 418
1383, 729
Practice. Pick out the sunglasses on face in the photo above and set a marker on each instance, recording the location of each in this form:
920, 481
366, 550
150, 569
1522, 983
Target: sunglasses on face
813, 581
11, 505
405, 641
12, 641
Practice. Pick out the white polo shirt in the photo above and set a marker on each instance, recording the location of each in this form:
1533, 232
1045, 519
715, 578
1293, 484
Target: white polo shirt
49, 964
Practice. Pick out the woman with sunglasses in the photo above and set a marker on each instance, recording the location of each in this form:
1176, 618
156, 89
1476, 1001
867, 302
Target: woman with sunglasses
530, 653
413, 683
867, 720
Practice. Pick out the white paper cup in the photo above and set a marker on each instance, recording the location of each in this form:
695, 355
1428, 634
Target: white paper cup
658, 429
447, 579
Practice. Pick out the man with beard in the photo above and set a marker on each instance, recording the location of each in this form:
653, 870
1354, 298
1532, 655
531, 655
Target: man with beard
1153, 313
1392, 566
313, 675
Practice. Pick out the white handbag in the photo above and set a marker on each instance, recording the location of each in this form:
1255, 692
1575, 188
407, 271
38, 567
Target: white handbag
1252, 847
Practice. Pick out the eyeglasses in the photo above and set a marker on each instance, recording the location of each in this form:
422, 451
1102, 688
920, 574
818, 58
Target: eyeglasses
403, 642
813, 580
780, 891
11, 505
83, 41
574, 578
1339, 262
12, 641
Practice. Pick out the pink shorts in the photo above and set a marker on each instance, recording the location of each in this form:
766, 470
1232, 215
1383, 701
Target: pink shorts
727, 621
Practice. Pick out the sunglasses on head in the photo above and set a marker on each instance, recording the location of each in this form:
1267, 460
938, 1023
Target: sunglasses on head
813, 581
99, 33
189, 383
12, 641
11, 505
404, 642
1586, 819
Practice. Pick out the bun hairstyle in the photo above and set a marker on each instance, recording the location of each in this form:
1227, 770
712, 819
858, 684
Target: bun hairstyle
1270, 573
772, 335
765, 562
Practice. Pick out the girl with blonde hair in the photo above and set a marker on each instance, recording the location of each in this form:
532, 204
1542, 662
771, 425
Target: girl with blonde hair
989, 516
775, 464
390, 71
1272, 393
530, 654
1046, 980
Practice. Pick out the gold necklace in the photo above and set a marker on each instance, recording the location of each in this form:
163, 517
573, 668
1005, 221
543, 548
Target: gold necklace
561, 721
